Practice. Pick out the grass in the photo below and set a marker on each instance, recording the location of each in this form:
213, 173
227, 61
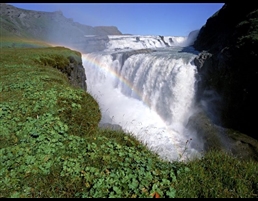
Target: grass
17, 42
51, 145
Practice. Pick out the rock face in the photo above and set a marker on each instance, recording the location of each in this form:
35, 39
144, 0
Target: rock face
51, 27
218, 138
77, 76
229, 45
70, 65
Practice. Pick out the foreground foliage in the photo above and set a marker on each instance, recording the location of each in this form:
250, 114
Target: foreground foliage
51, 146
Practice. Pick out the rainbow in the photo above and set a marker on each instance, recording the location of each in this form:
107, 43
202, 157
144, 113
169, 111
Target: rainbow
98, 65
91, 60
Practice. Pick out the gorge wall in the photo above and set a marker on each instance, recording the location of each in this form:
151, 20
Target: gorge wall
227, 66
75, 72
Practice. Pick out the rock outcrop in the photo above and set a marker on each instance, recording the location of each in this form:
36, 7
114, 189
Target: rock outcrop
77, 76
229, 45
215, 137
70, 65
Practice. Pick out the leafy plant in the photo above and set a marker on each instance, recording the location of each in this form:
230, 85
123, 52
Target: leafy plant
51, 145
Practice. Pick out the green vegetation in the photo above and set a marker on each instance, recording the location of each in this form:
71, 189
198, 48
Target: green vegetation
51, 146
16, 42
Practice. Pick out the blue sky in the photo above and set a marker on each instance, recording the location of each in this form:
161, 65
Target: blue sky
167, 19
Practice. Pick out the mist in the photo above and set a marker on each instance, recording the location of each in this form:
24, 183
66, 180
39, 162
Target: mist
151, 96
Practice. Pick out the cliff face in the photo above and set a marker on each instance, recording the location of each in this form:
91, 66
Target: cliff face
228, 65
70, 65
76, 73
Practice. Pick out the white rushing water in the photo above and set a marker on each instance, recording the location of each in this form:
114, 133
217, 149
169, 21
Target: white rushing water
151, 95
125, 42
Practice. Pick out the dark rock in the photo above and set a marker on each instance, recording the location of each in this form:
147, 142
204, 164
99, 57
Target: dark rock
230, 36
205, 64
218, 138
77, 76
72, 67
162, 38
171, 40
203, 61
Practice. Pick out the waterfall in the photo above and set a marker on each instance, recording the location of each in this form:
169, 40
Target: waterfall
150, 95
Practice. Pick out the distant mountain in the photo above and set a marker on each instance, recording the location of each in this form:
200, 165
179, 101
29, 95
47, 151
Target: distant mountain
52, 27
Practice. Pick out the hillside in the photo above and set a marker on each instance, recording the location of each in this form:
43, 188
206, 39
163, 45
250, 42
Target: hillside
51, 27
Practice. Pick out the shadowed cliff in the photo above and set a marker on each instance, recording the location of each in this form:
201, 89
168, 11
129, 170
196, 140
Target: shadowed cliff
230, 39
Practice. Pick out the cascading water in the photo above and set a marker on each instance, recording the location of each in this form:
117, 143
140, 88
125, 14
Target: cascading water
150, 95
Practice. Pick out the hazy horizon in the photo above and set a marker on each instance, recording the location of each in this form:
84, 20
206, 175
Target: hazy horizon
167, 19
